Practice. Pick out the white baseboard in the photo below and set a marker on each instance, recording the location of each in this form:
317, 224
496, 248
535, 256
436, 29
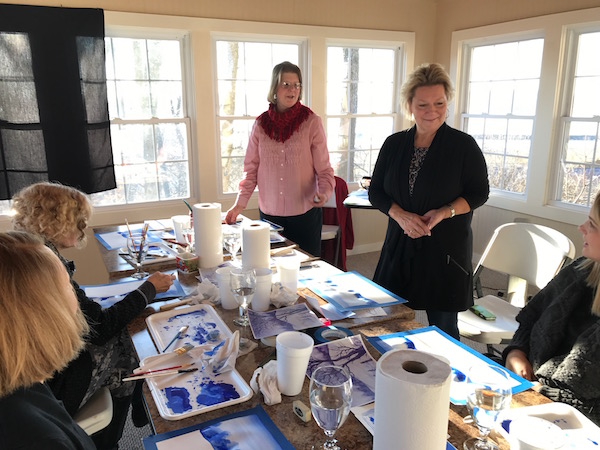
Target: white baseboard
365, 248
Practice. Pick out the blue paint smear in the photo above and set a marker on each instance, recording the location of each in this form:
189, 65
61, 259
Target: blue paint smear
219, 439
213, 393
178, 399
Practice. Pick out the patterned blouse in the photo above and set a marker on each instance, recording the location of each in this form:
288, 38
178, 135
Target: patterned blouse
415, 165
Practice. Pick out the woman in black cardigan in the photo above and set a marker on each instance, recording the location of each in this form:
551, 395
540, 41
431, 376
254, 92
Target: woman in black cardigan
428, 180
59, 215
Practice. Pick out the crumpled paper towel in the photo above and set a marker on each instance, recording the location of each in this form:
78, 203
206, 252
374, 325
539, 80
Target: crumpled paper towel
282, 296
265, 380
219, 358
208, 291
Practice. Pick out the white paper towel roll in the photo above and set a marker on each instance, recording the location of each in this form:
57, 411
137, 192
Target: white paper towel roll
256, 244
412, 394
207, 234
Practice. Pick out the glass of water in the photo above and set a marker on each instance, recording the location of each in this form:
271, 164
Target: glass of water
137, 247
488, 395
330, 394
232, 240
243, 285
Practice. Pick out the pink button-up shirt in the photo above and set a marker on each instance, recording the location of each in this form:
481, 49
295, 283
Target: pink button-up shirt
288, 174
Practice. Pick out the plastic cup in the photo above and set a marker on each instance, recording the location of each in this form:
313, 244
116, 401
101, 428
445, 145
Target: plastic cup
228, 301
293, 353
262, 293
288, 269
180, 223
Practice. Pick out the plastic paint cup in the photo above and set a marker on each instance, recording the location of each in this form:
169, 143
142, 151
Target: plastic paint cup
228, 301
288, 269
293, 353
262, 293
180, 223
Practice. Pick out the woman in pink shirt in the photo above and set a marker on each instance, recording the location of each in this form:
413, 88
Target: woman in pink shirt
287, 158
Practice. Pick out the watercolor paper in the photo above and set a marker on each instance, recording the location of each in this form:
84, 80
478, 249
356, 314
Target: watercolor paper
461, 358
289, 318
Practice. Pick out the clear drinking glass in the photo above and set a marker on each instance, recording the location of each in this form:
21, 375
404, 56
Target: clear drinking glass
232, 240
330, 394
137, 247
243, 285
488, 394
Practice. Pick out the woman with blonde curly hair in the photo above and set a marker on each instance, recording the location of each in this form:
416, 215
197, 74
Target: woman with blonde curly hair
59, 214
41, 330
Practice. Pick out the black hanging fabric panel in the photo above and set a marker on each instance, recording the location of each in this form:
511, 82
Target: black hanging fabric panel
54, 123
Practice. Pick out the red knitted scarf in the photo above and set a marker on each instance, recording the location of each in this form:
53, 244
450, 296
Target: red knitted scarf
280, 126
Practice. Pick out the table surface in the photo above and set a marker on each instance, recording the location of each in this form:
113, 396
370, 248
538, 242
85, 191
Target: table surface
352, 435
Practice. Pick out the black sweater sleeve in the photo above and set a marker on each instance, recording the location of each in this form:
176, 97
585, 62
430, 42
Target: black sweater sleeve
107, 323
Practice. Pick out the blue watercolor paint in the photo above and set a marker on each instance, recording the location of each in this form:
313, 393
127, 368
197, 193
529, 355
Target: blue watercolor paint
458, 375
213, 393
218, 438
178, 399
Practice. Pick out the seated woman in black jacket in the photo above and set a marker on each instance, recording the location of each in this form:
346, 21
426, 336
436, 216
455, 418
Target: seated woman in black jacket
41, 330
557, 344
59, 214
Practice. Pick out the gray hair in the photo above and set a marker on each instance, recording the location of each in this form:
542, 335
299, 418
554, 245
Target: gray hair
284, 67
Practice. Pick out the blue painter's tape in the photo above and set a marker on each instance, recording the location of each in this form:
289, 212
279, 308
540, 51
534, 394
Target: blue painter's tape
331, 333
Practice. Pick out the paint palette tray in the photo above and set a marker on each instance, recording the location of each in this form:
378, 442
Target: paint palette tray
187, 394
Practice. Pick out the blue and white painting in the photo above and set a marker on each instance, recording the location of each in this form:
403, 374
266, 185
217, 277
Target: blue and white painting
460, 357
252, 429
350, 290
271, 323
351, 353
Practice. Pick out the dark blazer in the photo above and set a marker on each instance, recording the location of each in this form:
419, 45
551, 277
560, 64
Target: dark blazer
431, 272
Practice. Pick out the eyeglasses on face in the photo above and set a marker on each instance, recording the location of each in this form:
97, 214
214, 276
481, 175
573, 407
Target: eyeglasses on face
290, 86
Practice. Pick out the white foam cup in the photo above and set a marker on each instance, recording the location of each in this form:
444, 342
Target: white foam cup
262, 293
228, 301
293, 353
179, 224
288, 269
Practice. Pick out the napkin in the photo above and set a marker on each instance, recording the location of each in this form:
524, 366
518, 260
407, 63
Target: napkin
282, 296
219, 358
265, 380
208, 290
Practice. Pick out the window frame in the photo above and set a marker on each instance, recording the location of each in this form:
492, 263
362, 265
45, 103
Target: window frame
545, 151
400, 71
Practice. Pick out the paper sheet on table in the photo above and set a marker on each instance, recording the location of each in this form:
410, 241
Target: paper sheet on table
116, 291
189, 441
372, 312
328, 310
114, 240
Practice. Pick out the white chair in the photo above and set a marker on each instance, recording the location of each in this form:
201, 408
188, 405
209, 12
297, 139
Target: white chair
528, 254
332, 231
97, 412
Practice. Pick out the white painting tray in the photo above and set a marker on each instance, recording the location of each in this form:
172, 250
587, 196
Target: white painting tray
581, 432
184, 395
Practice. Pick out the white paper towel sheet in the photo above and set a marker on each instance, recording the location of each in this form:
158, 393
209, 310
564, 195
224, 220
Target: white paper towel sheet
412, 394
256, 244
207, 234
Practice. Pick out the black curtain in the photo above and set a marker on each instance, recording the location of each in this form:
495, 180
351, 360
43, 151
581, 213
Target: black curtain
54, 123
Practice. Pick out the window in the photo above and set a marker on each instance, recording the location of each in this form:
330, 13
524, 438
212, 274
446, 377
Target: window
500, 108
361, 106
149, 125
243, 77
578, 177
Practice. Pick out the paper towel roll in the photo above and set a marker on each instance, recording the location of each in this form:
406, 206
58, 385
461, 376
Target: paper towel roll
256, 244
412, 394
207, 234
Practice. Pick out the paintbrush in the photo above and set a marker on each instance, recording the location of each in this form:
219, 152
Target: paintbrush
146, 372
160, 374
177, 336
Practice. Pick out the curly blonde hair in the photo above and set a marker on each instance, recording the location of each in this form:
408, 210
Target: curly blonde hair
52, 211
39, 331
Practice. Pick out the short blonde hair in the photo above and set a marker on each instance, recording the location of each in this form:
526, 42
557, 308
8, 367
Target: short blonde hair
278, 70
425, 75
53, 211
39, 331
593, 279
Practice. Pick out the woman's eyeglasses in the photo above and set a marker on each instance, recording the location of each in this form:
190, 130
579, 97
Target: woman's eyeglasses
290, 86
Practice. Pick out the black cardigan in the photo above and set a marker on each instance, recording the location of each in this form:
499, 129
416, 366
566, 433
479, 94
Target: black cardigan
431, 272
71, 384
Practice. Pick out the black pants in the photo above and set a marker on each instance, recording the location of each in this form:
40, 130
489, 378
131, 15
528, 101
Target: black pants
304, 230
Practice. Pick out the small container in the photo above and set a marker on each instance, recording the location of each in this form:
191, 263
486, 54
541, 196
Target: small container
187, 262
